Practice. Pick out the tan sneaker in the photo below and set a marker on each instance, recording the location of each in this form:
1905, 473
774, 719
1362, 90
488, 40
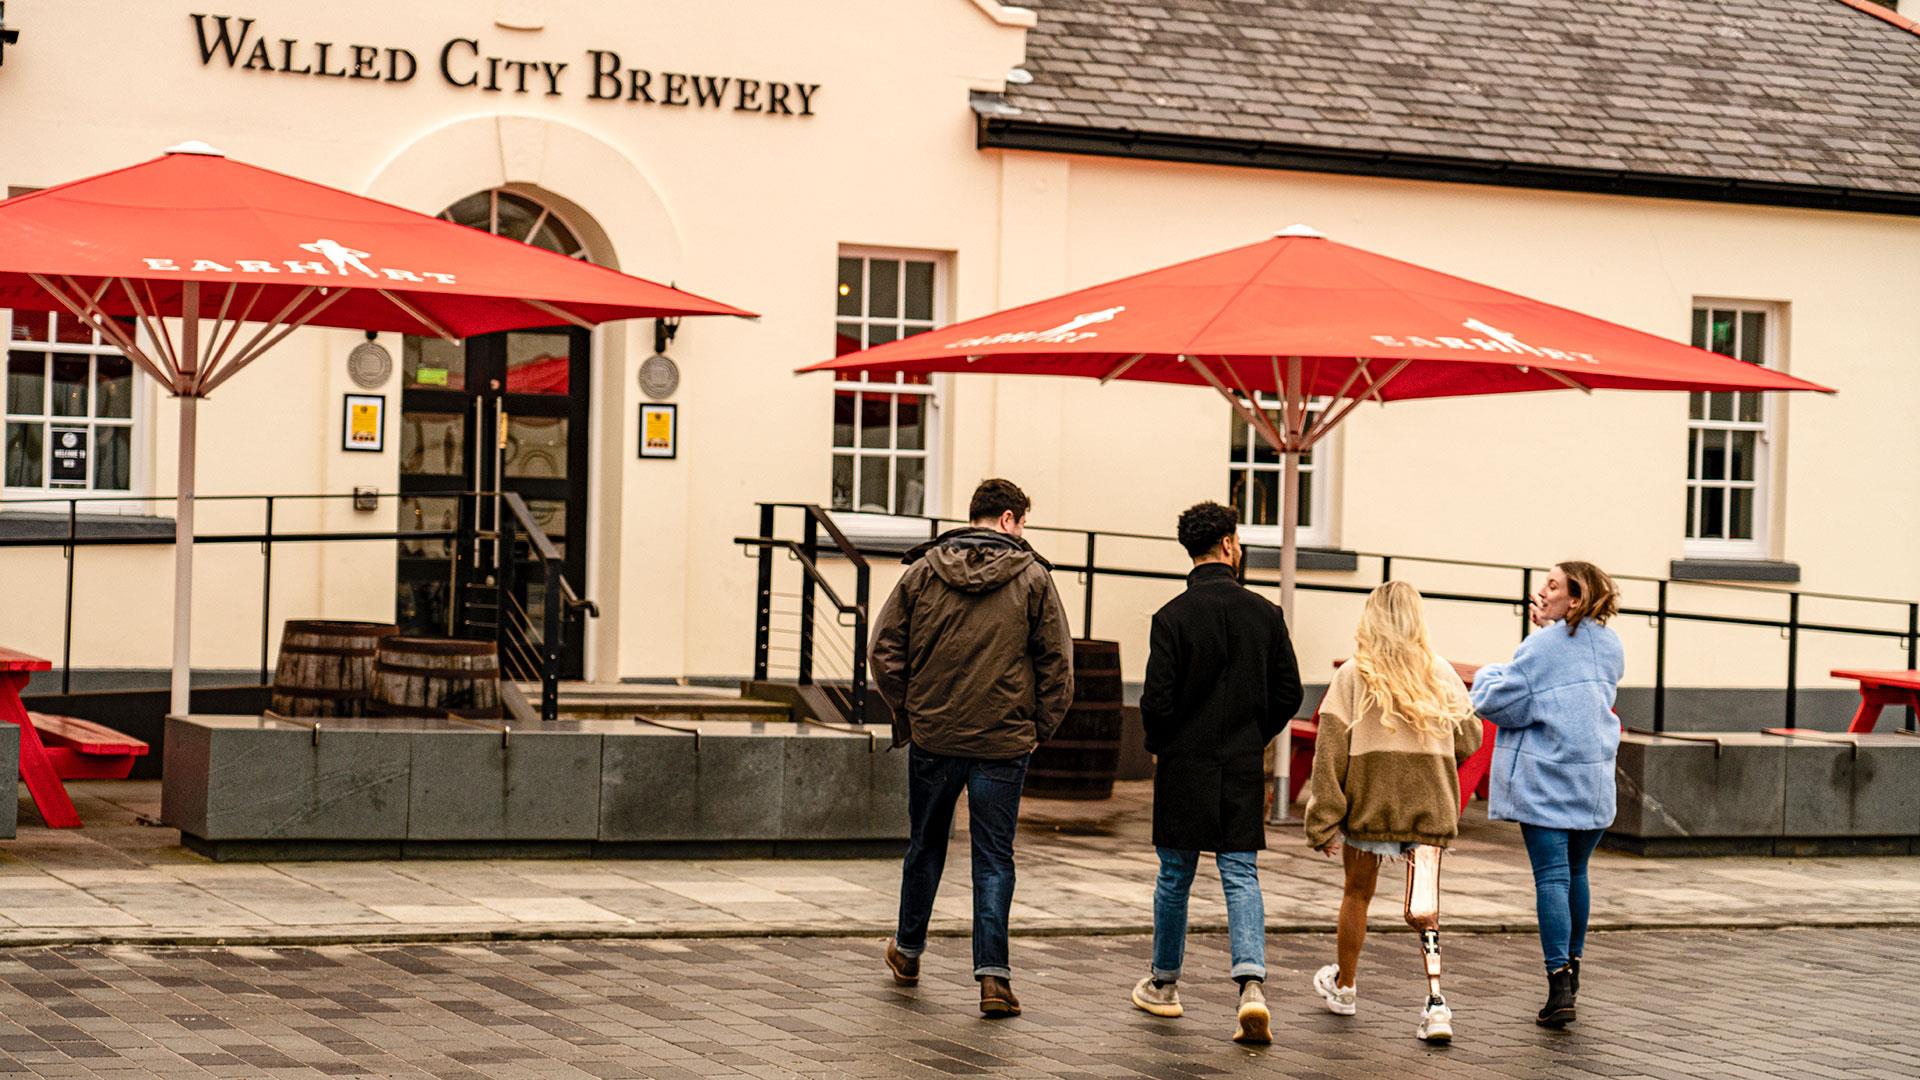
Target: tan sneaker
1256, 1023
1162, 1000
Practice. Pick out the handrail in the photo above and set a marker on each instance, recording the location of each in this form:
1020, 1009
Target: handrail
1660, 614
798, 551
806, 551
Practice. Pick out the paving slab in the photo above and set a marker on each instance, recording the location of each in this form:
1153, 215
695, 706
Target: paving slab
1084, 868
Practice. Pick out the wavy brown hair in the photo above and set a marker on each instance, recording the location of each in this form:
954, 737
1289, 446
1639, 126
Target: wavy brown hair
1593, 593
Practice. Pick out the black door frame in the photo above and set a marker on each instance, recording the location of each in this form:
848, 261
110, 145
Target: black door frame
486, 405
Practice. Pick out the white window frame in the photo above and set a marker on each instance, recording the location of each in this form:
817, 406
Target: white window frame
1319, 501
1759, 546
132, 499
891, 524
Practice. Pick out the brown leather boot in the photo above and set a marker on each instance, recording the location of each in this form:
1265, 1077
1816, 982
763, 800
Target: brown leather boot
996, 998
906, 969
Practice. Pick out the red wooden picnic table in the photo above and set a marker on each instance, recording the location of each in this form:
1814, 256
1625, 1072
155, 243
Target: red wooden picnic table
36, 766
1878, 689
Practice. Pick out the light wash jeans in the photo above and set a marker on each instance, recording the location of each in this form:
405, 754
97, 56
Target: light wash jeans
1560, 893
1246, 912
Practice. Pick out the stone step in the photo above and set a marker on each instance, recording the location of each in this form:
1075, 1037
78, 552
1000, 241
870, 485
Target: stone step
671, 704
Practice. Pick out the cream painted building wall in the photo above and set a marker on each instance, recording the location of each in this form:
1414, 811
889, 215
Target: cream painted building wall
752, 209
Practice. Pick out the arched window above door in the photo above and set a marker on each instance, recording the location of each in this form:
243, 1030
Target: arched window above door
516, 217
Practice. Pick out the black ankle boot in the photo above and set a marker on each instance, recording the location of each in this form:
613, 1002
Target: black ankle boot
1558, 1011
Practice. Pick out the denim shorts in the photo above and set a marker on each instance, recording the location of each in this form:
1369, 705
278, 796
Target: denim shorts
1385, 849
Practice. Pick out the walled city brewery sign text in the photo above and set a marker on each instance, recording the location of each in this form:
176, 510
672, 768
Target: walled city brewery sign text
462, 62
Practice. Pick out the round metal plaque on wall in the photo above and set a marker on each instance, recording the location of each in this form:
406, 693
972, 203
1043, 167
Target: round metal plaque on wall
370, 365
659, 376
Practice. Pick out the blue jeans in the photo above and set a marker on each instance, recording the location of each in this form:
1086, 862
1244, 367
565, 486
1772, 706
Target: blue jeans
1560, 894
934, 783
1246, 912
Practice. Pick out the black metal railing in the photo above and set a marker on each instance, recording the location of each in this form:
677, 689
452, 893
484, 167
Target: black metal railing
814, 584
529, 652
1792, 626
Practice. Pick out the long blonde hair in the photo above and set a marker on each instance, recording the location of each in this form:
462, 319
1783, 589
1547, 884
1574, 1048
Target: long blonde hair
1397, 668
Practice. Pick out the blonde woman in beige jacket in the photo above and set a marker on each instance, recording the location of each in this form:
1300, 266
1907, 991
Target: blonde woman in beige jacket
1394, 726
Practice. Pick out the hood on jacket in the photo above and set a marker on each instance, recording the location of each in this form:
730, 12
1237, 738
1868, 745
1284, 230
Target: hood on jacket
975, 560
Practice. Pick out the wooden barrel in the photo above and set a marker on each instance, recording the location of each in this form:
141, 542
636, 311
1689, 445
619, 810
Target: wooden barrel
1080, 760
326, 667
414, 676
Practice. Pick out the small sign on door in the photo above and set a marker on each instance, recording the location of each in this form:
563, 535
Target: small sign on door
69, 464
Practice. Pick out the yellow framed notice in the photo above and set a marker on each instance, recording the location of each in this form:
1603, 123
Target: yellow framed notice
660, 431
364, 423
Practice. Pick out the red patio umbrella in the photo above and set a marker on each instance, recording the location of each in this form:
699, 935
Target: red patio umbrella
219, 245
1299, 316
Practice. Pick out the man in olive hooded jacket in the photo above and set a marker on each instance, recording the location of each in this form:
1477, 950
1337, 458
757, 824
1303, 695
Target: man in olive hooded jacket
972, 652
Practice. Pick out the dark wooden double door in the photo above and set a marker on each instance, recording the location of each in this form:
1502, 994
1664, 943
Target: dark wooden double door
494, 414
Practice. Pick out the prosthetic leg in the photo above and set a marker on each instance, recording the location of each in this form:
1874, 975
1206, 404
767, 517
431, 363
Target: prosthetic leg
1423, 910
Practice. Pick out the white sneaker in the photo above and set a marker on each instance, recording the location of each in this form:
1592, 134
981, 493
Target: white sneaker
1436, 1022
1341, 1000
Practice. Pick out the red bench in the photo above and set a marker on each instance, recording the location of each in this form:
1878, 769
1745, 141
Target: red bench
83, 750
1879, 689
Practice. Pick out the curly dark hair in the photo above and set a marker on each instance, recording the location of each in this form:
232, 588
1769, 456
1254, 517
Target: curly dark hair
995, 497
1204, 525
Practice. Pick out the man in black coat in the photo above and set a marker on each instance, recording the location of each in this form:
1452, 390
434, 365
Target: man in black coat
1222, 682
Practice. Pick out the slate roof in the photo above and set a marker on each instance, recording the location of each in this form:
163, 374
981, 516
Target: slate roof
1809, 93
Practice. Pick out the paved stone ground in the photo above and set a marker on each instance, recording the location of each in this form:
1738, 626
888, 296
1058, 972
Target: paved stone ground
1084, 867
1668, 1004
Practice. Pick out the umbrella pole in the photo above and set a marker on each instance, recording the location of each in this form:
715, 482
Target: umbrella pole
1289, 526
178, 700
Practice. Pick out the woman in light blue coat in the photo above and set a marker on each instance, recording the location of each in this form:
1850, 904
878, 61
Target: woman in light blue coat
1553, 756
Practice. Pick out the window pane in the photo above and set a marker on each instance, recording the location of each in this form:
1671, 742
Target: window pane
1263, 450
1713, 519
1713, 458
846, 338
27, 383
517, 216
883, 296
1697, 405
1699, 328
1265, 488
919, 290
910, 485
873, 485
71, 330
113, 386
1750, 406
70, 385
433, 364
881, 333
1693, 496
24, 447
842, 482
1693, 455
428, 514
432, 444
851, 293
472, 211
1306, 500
539, 363
912, 328
1720, 406
1237, 438
30, 326
843, 405
876, 421
1741, 525
1753, 337
911, 425
1722, 330
112, 458
536, 447
1744, 446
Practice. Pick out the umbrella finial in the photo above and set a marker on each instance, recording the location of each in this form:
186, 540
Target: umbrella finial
1302, 230
194, 146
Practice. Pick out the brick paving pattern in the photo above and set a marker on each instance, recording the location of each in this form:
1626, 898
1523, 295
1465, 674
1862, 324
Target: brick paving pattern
1667, 1004
1084, 867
